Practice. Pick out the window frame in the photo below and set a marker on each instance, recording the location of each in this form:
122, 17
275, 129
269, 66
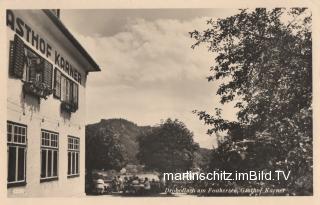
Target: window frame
39, 73
75, 99
73, 148
53, 146
57, 83
67, 91
17, 146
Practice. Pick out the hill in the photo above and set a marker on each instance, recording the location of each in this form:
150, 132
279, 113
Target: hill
126, 131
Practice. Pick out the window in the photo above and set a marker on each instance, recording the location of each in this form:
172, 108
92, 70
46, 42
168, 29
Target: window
49, 155
57, 83
17, 146
69, 90
73, 156
26, 64
75, 94
63, 88
66, 89
37, 68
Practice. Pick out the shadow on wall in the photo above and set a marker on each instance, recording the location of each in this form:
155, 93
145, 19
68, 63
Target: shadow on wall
65, 115
29, 103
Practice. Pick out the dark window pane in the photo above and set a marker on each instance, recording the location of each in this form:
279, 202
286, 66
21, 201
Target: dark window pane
21, 161
73, 162
55, 163
9, 137
43, 163
9, 128
51, 141
77, 163
12, 164
69, 163
49, 173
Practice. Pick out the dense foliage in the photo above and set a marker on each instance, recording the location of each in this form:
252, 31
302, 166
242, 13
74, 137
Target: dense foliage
104, 151
264, 65
168, 148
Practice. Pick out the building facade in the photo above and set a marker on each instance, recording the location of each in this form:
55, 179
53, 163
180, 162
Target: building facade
47, 74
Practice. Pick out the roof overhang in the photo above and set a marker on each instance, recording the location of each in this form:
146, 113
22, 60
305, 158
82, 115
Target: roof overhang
94, 66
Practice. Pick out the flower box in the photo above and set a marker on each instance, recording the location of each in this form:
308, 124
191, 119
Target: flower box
69, 107
37, 89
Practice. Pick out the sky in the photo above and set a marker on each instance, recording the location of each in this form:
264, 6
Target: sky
149, 71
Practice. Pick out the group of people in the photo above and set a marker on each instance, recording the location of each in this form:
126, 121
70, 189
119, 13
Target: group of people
135, 185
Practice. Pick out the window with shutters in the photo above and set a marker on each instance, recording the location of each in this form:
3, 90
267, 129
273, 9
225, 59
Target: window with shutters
67, 90
73, 156
38, 69
33, 62
17, 149
49, 155
37, 75
35, 71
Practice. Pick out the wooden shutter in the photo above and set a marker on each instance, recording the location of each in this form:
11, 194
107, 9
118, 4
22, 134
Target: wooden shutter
75, 93
63, 88
57, 83
47, 73
17, 58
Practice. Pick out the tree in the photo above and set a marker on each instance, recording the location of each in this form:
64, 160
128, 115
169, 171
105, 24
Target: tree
103, 150
264, 65
168, 148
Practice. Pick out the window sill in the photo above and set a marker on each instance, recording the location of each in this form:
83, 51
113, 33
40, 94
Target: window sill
49, 179
17, 184
73, 176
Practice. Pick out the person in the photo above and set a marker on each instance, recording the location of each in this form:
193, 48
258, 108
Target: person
153, 186
125, 184
125, 180
162, 182
120, 184
115, 184
147, 186
99, 186
135, 180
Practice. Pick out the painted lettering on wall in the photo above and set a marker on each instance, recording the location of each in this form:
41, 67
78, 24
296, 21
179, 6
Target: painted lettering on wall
25, 31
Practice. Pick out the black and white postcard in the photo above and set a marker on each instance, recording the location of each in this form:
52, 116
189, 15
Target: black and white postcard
170, 102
